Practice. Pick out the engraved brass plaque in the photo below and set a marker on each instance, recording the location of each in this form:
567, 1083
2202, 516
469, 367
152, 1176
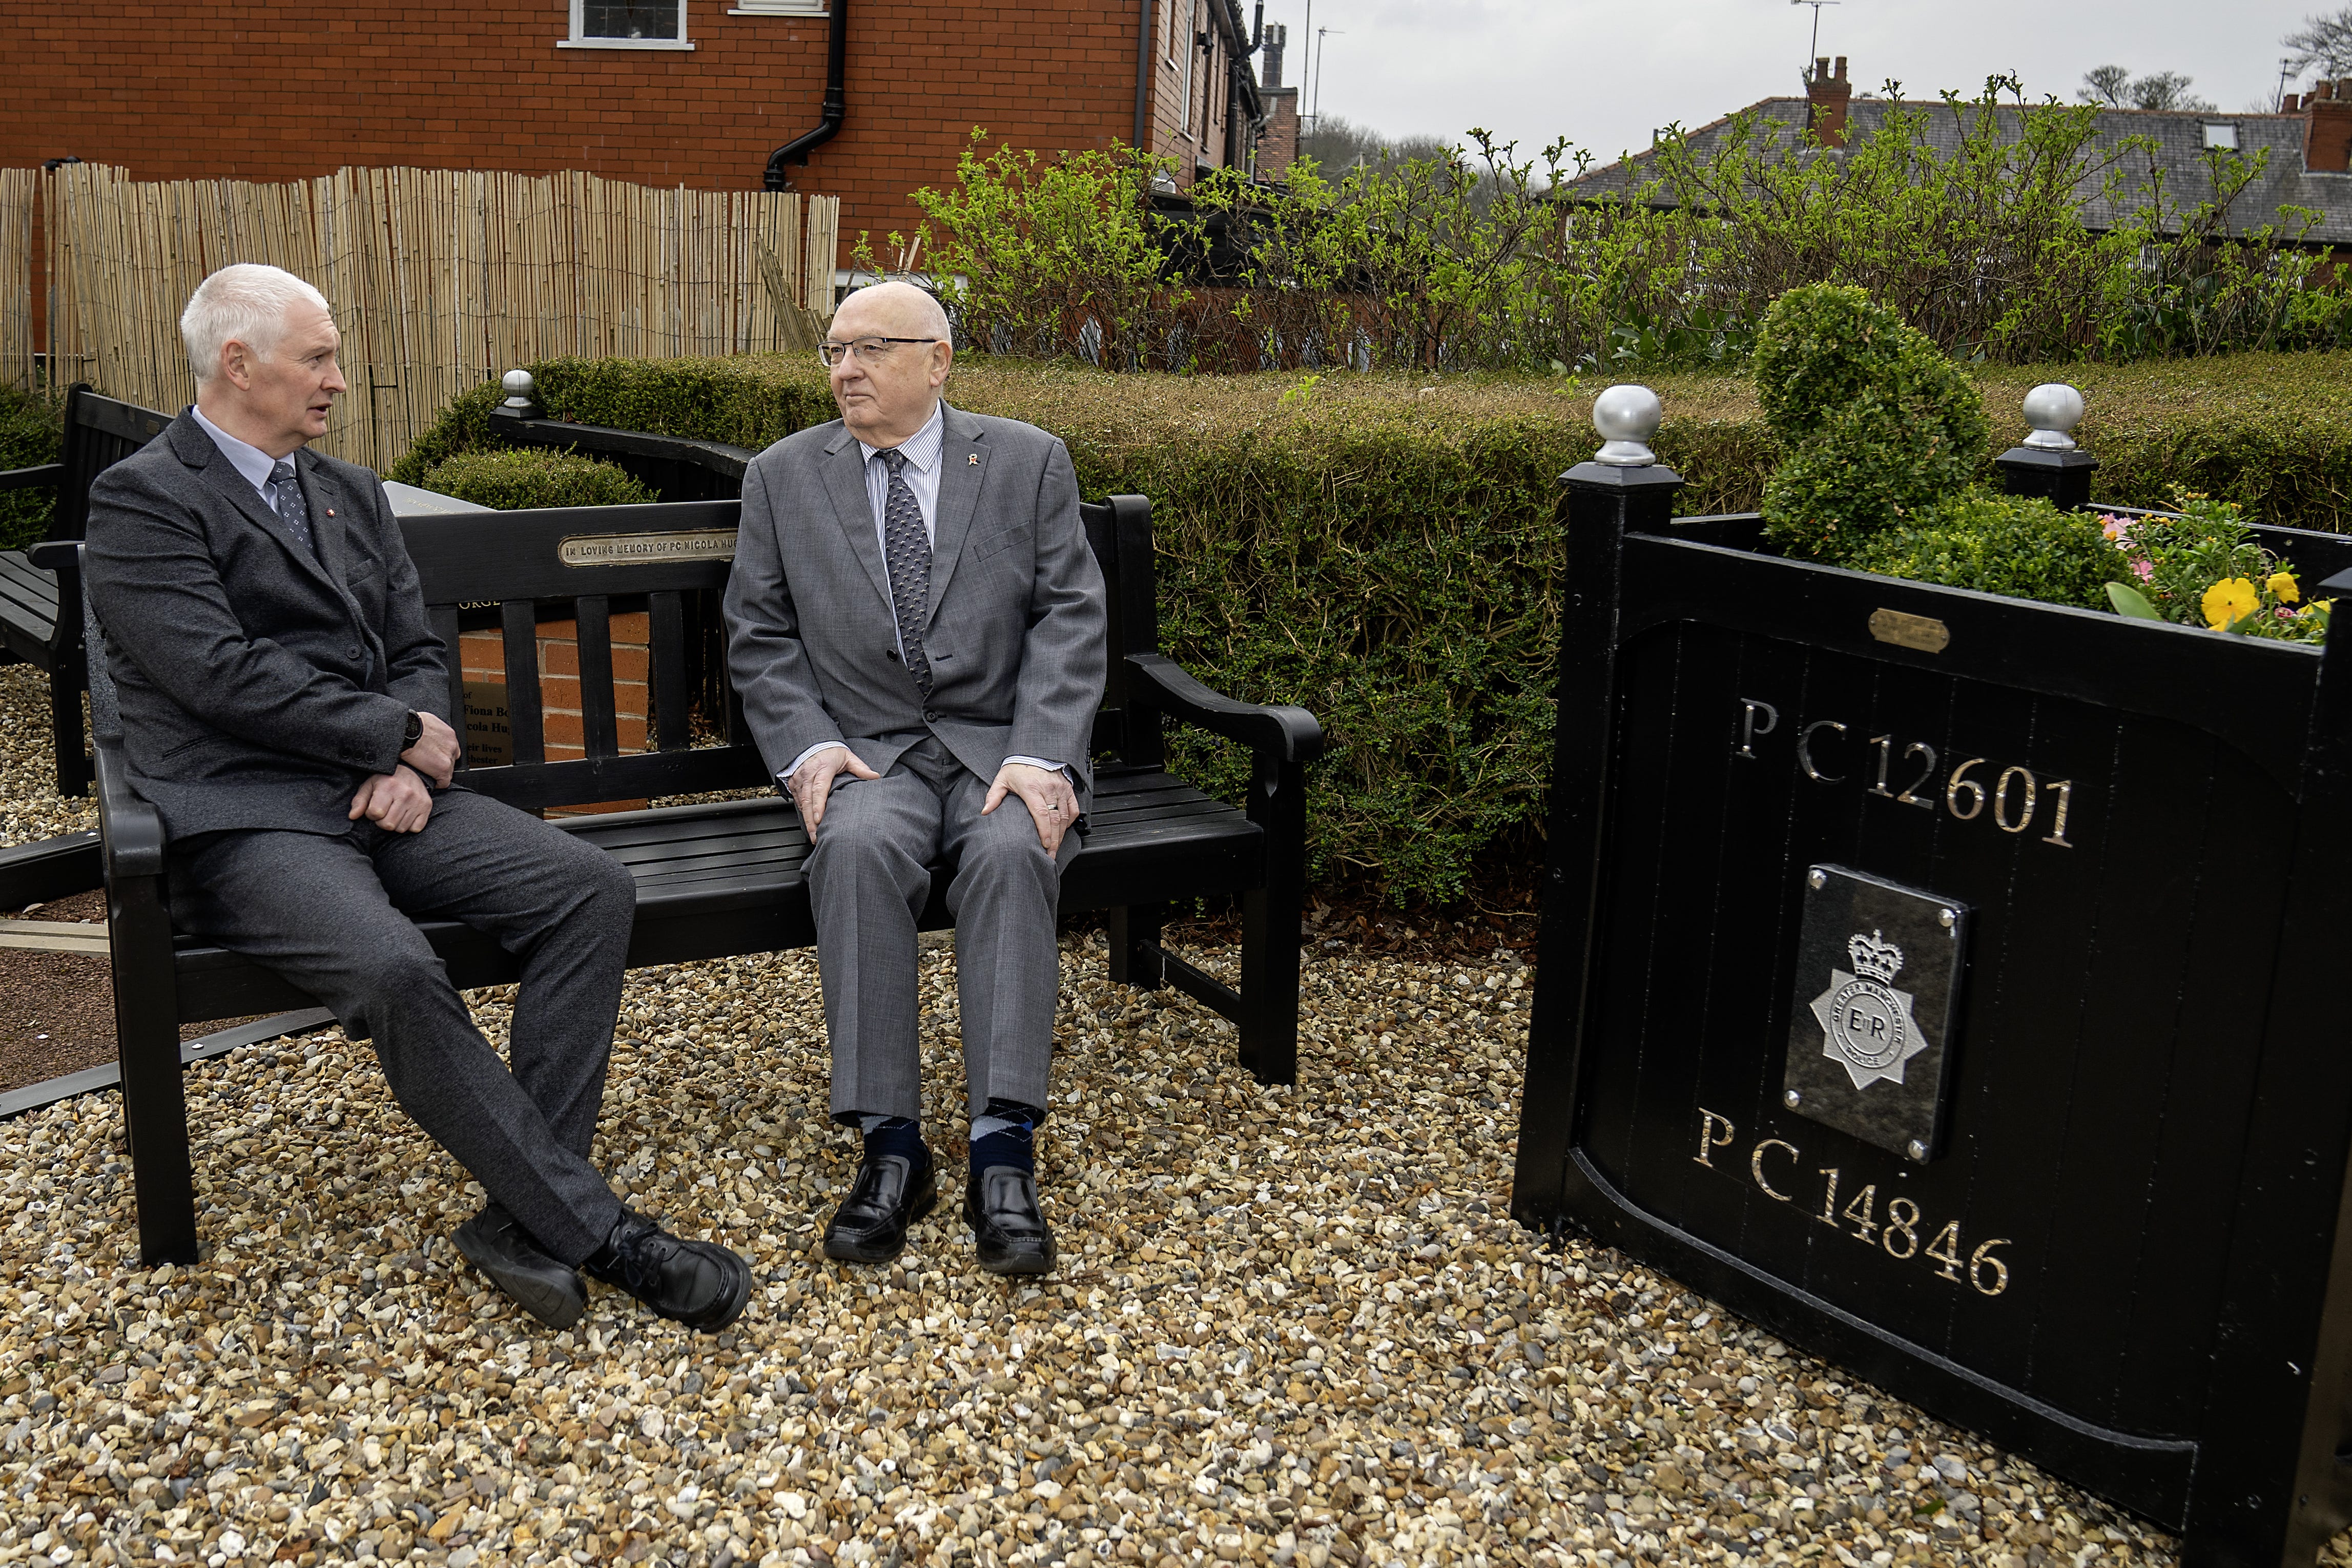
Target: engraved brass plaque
628, 549
1923, 633
1877, 999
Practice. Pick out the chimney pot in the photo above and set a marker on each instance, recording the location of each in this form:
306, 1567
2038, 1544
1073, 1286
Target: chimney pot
1841, 68
1822, 68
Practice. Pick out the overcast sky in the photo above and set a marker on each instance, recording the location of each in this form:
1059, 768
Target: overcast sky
1604, 73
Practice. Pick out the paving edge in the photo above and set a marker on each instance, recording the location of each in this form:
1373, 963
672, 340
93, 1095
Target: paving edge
90, 1080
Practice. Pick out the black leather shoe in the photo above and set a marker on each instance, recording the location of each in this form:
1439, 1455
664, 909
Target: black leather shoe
547, 1289
999, 1204
870, 1225
697, 1283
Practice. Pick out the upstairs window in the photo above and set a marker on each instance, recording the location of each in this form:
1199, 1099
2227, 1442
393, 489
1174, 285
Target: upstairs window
628, 24
2223, 136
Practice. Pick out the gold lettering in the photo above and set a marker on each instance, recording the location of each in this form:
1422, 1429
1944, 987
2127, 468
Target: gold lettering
1708, 1123
1755, 1165
1749, 732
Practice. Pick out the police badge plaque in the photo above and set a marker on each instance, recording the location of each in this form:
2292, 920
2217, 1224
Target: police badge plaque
1876, 1001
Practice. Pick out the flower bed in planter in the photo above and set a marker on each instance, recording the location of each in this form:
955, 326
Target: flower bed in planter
1948, 982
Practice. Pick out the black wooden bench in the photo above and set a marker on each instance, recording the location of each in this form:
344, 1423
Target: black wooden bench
720, 879
99, 432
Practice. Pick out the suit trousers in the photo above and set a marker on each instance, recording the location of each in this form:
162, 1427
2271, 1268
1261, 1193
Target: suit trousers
869, 877
330, 914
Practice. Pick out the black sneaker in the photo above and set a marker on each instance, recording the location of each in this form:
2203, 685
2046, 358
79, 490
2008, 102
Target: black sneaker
697, 1283
549, 1291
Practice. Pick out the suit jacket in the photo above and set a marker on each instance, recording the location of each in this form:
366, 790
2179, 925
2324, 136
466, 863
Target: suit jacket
259, 683
1017, 624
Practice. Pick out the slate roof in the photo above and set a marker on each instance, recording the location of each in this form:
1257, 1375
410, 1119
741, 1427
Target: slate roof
2181, 154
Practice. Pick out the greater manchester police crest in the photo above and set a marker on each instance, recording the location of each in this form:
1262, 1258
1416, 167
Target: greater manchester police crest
1866, 1023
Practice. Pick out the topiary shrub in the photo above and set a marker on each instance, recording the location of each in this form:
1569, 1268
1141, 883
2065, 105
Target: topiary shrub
2021, 546
511, 478
1878, 426
32, 430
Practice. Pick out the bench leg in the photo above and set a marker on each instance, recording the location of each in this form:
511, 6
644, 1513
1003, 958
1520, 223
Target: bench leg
65, 725
1135, 933
154, 1099
1270, 926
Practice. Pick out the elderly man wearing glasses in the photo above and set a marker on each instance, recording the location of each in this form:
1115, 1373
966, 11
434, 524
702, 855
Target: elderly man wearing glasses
916, 624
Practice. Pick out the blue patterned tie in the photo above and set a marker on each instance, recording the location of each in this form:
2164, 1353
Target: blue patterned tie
287, 500
906, 547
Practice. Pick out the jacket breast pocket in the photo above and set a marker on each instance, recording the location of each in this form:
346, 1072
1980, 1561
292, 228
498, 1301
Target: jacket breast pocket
1017, 536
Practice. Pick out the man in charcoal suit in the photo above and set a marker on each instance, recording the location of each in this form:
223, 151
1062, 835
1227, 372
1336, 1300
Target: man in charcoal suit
916, 625
285, 708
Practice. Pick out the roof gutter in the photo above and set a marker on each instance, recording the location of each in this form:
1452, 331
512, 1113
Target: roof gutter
836, 102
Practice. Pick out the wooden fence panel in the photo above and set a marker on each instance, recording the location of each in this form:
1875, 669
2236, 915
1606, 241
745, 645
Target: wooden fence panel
440, 279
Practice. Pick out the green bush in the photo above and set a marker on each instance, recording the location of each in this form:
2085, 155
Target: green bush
1385, 549
1878, 424
31, 432
516, 478
1995, 543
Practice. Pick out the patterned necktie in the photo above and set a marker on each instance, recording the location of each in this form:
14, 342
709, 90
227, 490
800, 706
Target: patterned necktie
906, 548
287, 500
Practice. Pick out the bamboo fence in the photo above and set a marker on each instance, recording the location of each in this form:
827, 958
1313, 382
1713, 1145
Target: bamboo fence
16, 191
439, 278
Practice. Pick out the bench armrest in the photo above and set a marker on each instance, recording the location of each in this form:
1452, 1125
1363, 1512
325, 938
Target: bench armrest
131, 830
1291, 735
27, 479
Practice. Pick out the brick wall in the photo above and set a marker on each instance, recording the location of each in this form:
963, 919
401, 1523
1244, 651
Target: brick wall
269, 90
482, 657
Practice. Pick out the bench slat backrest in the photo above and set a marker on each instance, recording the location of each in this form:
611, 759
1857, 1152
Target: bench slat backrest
518, 572
99, 432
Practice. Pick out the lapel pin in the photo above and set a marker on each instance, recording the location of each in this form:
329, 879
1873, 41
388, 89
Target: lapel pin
973, 460
330, 511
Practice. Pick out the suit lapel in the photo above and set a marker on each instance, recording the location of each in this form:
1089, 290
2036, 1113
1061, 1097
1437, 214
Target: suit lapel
960, 477
224, 478
329, 509
845, 479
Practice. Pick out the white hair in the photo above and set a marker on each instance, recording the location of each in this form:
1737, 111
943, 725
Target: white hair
244, 303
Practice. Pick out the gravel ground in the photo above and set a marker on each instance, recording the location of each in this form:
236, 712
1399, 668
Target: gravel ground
1290, 1325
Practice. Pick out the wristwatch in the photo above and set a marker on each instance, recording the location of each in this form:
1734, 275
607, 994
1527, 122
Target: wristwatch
415, 732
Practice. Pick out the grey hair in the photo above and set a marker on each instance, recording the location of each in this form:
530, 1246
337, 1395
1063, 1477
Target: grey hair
244, 303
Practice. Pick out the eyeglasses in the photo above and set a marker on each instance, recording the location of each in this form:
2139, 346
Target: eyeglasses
869, 351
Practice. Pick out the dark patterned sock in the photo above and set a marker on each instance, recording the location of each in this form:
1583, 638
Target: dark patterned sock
903, 1135
1006, 1135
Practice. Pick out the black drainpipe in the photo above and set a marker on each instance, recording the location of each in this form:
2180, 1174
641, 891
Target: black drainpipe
836, 101
1143, 79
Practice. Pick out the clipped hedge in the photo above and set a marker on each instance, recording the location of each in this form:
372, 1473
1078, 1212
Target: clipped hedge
509, 479
1384, 551
32, 429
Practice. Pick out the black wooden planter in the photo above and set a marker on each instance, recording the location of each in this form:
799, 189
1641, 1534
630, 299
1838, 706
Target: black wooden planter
1954, 985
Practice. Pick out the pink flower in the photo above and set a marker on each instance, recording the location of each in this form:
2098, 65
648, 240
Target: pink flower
2116, 529
2144, 570
2283, 612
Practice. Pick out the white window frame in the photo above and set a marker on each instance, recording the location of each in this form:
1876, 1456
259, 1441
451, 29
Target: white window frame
1191, 64
578, 40
781, 8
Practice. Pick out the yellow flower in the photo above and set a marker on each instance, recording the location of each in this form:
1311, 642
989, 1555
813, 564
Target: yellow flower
2282, 586
2231, 599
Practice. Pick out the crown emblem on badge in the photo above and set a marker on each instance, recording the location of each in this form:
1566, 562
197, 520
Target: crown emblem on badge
1875, 959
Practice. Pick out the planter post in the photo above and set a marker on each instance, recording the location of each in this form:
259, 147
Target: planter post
2048, 462
1623, 489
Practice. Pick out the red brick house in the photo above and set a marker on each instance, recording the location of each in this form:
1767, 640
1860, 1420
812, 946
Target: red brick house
704, 93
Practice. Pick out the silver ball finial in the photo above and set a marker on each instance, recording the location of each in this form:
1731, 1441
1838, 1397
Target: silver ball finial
2052, 411
523, 392
1626, 417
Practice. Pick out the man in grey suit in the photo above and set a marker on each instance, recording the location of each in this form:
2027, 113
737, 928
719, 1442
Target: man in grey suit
284, 708
916, 625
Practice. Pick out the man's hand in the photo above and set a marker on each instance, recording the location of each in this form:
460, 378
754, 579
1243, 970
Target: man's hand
397, 802
811, 782
435, 755
1046, 793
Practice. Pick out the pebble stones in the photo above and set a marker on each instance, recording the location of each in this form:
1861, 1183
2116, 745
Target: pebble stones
1292, 1326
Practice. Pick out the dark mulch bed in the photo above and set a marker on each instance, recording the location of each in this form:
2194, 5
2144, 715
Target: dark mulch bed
56, 1009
